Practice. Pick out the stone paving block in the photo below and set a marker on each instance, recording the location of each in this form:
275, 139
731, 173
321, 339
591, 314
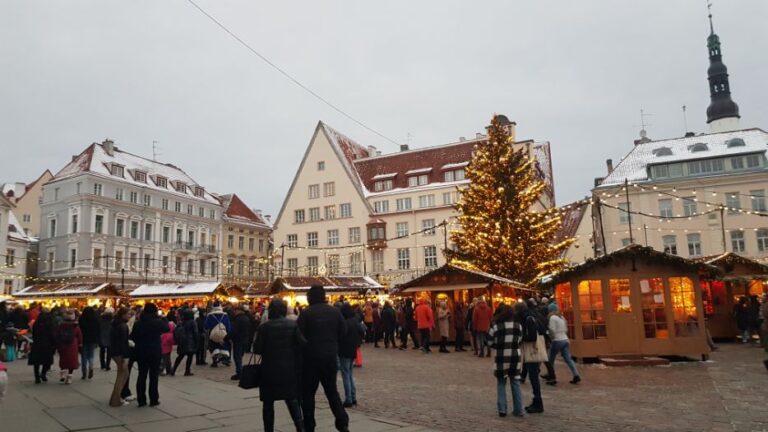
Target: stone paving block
185, 424
131, 414
178, 407
82, 417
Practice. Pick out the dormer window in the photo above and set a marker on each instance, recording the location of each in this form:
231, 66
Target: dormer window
698, 147
161, 181
662, 151
199, 191
382, 185
118, 170
453, 175
181, 187
140, 176
419, 180
735, 142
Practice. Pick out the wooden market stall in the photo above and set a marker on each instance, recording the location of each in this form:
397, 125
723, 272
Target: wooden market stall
70, 295
741, 277
168, 295
635, 301
354, 288
453, 284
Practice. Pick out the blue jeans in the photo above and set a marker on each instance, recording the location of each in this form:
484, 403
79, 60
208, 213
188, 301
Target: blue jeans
86, 358
564, 349
533, 375
350, 392
501, 395
482, 348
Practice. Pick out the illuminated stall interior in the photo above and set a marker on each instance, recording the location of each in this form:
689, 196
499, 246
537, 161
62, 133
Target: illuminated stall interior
453, 284
635, 301
354, 289
741, 277
69, 295
168, 295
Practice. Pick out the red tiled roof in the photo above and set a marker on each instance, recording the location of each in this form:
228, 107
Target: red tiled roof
571, 216
433, 158
236, 209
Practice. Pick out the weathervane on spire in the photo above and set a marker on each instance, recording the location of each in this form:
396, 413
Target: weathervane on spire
711, 26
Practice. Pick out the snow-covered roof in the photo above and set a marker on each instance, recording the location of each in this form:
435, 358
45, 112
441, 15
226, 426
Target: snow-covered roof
634, 166
454, 165
96, 160
418, 171
198, 289
15, 230
61, 290
384, 176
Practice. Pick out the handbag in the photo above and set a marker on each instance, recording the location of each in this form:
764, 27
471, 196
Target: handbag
250, 375
535, 352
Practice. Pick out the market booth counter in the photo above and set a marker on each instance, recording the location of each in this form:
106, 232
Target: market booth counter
741, 277
453, 284
635, 301
168, 295
353, 288
70, 295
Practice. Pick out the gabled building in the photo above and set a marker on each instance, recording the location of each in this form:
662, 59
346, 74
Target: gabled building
246, 243
14, 247
27, 198
354, 211
110, 214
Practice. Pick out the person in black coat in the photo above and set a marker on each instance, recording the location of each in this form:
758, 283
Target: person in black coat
323, 326
43, 346
388, 324
348, 346
279, 342
119, 351
146, 335
105, 328
410, 325
185, 335
241, 332
201, 338
89, 325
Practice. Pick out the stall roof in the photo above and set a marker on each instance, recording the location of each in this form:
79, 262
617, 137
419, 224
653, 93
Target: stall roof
332, 284
198, 289
632, 251
260, 288
726, 261
70, 290
472, 278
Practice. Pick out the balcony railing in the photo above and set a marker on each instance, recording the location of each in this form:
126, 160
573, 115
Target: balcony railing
207, 249
184, 245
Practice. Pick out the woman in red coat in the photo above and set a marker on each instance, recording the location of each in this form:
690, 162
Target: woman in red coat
69, 339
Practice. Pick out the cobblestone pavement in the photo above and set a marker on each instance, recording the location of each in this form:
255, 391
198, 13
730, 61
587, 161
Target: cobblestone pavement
457, 392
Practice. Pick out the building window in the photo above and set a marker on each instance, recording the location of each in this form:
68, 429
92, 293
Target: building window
199, 192
689, 206
251, 244
177, 267
381, 206
189, 209
118, 170
230, 241
10, 258
147, 200
684, 306
140, 176
382, 185
202, 267
52, 228
430, 256
133, 197
654, 312
181, 187
665, 208
292, 240
200, 212
345, 210
354, 235
148, 232
333, 237
450, 198
420, 180
737, 241
119, 227
330, 212
161, 182
298, 216
251, 267
333, 264
403, 259
74, 224
164, 204
733, 202
314, 191
97, 189
261, 245
428, 227
314, 214
177, 207
620, 301
119, 260
624, 216
592, 310
119, 194
377, 233
312, 265
134, 229
758, 200
625, 242
737, 163
329, 189
312, 239
753, 161
694, 244
321, 166
293, 264
377, 256
98, 227
401, 229
762, 240
426, 201
355, 263
564, 297
51, 260
241, 242
72, 258
97, 259
166, 234
453, 175
403, 204
240, 267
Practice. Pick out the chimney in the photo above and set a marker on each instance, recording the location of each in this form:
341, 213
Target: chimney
403, 147
609, 165
462, 139
378, 152
371, 150
257, 211
109, 146
512, 129
478, 135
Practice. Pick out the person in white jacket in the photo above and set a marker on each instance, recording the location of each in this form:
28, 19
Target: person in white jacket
558, 332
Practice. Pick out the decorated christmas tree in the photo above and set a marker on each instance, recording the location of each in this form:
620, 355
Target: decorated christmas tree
501, 231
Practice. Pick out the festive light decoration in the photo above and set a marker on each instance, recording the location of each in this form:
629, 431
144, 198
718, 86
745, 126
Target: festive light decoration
501, 232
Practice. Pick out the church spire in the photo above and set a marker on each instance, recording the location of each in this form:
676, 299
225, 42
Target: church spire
723, 112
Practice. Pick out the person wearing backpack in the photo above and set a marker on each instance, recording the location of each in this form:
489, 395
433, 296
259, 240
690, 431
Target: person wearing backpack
69, 340
218, 327
186, 338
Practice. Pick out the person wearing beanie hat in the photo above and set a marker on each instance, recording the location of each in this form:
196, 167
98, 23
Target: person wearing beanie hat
558, 331
323, 326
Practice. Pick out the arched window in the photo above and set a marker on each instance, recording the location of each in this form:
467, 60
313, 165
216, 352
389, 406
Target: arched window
698, 147
662, 151
735, 142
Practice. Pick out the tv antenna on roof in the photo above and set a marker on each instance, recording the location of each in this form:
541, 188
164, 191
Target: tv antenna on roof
643, 125
155, 148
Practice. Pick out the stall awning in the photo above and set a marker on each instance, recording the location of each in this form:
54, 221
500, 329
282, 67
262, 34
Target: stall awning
445, 287
67, 290
190, 290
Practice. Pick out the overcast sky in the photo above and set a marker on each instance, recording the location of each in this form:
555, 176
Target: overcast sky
575, 73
